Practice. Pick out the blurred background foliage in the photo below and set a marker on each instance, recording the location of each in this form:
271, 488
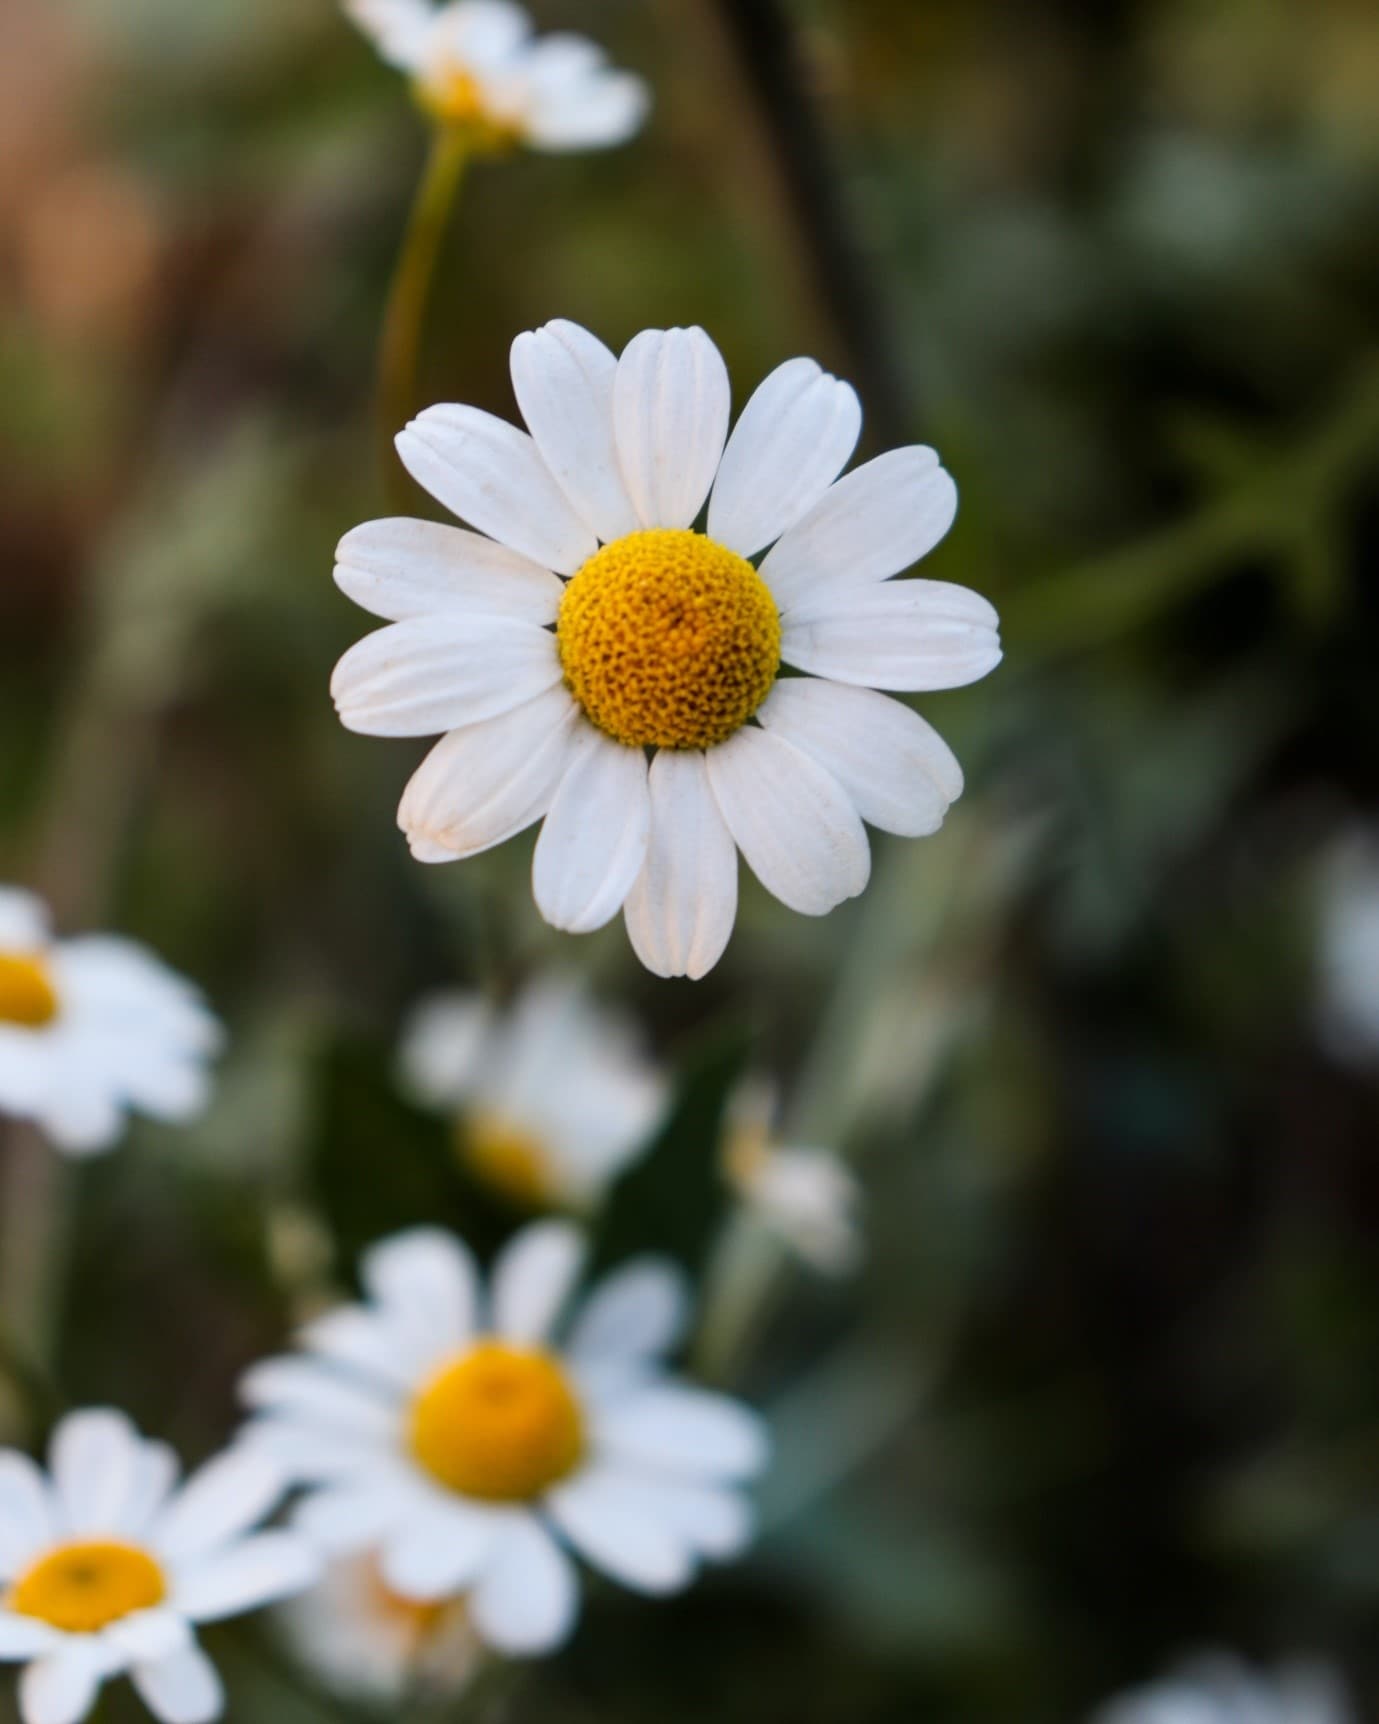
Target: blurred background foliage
1108, 1384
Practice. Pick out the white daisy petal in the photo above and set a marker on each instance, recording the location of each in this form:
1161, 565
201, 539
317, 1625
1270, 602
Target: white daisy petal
404, 568
439, 1555
83, 1118
899, 772
794, 823
681, 909
484, 784
25, 1637
157, 1473
527, 1599
309, 1390
794, 437
426, 1279
608, 1521
61, 1687
367, 1343
398, 28
636, 1314
563, 378
594, 839
491, 474
532, 1279
181, 1688
252, 1572
349, 1517
24, 920
673, 1428
429, 674
671, 401
595, 114
906, 635
28, 1518
483, 32
874, 522
94, 1461
310, 1453
148, 1634
231, 1493
717, 1524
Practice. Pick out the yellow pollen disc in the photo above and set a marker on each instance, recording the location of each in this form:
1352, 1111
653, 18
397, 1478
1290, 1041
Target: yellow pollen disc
81, 1588
500, 1423
455, 97
668, 639
505, 1156
745, 1155
417, 1621
27, 994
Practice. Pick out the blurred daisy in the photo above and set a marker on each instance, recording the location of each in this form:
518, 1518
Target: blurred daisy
1219, 1689
807, 1197
593, 624
552, 1099
93, 1028
364, 1641
476, 67
108, 1567
1348, 956
447, 1431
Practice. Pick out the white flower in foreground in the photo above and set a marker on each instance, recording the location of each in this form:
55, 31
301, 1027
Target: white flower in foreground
107, 1567
552, 1098
448, 1433
594, 624
1348, 955
364, 1641
93, 1028
1219, 1689
475, 65
805, 1196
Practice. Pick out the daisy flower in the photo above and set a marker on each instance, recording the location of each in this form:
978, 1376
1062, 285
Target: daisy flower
1218, 1689
475, 66
552, 1099
807, 1197
364, 1641
108, 1567
444, 1428
587, 623
94, 1028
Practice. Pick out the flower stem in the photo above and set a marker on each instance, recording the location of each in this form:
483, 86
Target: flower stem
405, 318
34, 1229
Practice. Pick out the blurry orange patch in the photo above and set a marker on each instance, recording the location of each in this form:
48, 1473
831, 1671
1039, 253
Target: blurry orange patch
88, 246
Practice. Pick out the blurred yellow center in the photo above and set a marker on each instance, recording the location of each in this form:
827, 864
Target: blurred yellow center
417, 1621
500, 1423
27, 994
81, 1588
456, 98
668, 639
503, 1155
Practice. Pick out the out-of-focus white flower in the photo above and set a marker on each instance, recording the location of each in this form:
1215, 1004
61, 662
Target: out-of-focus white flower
805, 1196
94, 1028
553, 1098
366, 1642
594, 623
444, 1430
1219, 1689
1348, 954
476, 65
108, 1567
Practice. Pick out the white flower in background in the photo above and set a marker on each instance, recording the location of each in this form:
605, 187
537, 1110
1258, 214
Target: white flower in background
594, 623
1219, 1689
448, 1432
475, 65
364, 1641
1348, 954
552, 1098
805, 1196
94, 1028
107, 1567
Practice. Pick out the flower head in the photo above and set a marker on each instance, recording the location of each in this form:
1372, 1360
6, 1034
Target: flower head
445, 1429
1218, 1689
594, 624
475, 66
552, 1098
93, 1028
806, 1196
107, 1567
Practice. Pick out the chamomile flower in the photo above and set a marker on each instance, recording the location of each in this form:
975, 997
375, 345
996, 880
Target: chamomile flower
807, 1197
447, 1430
107, 1567
92, 1029
366, 1642
587, 622
551, 1098
1218, 1689
475, 66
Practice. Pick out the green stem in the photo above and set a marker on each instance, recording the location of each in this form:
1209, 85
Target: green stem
35, 1223
405, 318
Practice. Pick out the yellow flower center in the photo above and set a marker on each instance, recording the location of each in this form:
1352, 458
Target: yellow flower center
498, 1422
81, 1588
417, 1621
27, 994
746, 1155
668, 639
455, 97
503, 1155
